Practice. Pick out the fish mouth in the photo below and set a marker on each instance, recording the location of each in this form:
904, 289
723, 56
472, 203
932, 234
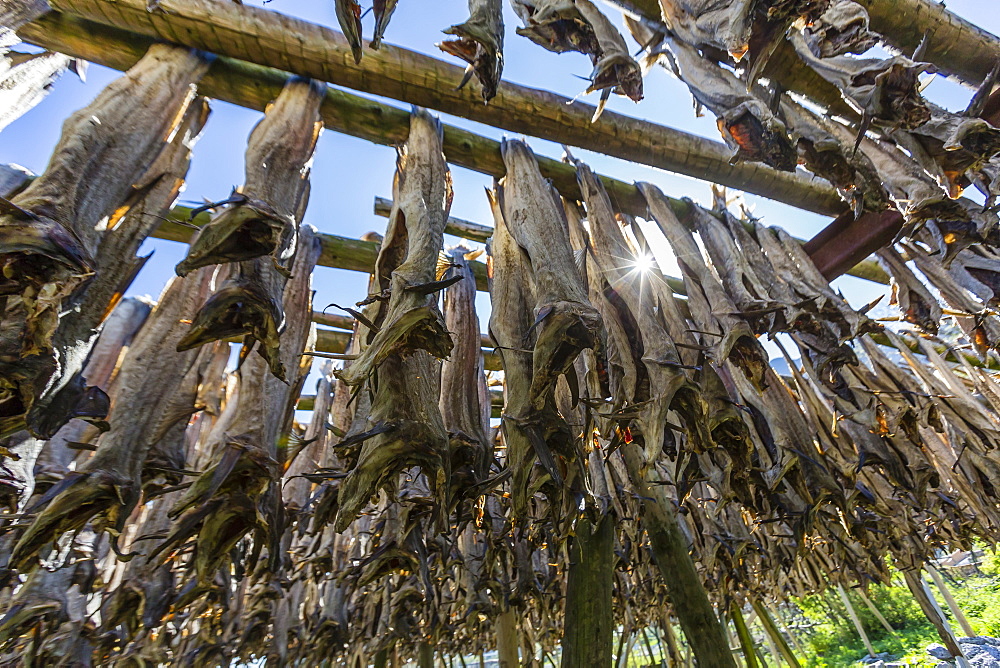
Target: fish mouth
35, 249
619, 73
244, 232
758, 143
72, 502
239, 309
486, 63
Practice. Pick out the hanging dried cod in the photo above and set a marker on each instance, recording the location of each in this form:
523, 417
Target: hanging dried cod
564, 322
884, 91
51, 233
726, 328
349, 17
409, 331
239, 494
918, 306
952, 147
746, 123
737, 27
823, 151
512, 299
383, 12
465, 399
842, 28
578, 25
480, 44
109, 484
21, 468
258, 233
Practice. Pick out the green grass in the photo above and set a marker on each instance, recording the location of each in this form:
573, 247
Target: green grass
830, 641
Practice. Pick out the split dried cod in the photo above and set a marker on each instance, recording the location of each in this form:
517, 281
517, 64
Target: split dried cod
51, 233
480, 44
259, 232
406, 428
578, 25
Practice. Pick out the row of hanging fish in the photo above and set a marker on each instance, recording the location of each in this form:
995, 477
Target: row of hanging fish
204, 526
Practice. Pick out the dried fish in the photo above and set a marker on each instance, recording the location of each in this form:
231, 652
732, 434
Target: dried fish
746, 123
952, 147
565, 322
578, 25
841, 28
260, 230
914, 300
383, 12
349, 17
465, 402
512, 298
406, 425
262, 218
480, 44
711, 307
239, 493
823, 151
108, 485
54, 229
885, 91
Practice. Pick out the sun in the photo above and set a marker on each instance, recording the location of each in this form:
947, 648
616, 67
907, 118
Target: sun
643, 263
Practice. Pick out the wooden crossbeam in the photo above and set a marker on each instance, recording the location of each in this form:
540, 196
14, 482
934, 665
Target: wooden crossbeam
264, 37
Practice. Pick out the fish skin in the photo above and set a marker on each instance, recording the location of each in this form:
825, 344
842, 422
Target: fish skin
383, 10
480, 44
349, 16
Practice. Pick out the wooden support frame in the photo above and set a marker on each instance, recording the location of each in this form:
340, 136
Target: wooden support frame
263, 37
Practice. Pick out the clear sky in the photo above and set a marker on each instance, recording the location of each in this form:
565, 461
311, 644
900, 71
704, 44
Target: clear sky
348, 173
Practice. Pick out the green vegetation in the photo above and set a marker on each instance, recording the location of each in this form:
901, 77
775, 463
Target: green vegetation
828, 638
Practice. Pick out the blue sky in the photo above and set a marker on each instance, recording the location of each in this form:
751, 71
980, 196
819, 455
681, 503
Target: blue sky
348, 173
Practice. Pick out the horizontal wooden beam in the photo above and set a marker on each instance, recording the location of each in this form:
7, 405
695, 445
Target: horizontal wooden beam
957, 47
264, 37
254, 86
454, 226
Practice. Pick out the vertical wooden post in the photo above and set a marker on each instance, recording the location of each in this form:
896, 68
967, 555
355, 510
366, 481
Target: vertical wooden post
671, 552
425, 655
775, 634
956, 611
857, 621
506, 640
588, 634
746, 640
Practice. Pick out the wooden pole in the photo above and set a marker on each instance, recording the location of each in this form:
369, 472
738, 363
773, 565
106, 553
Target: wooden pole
775, 635
507, 639
956, 611
918, 587
265, 37
857, 621
743, 633
425, 655
588, 633
671, 551
875, 611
